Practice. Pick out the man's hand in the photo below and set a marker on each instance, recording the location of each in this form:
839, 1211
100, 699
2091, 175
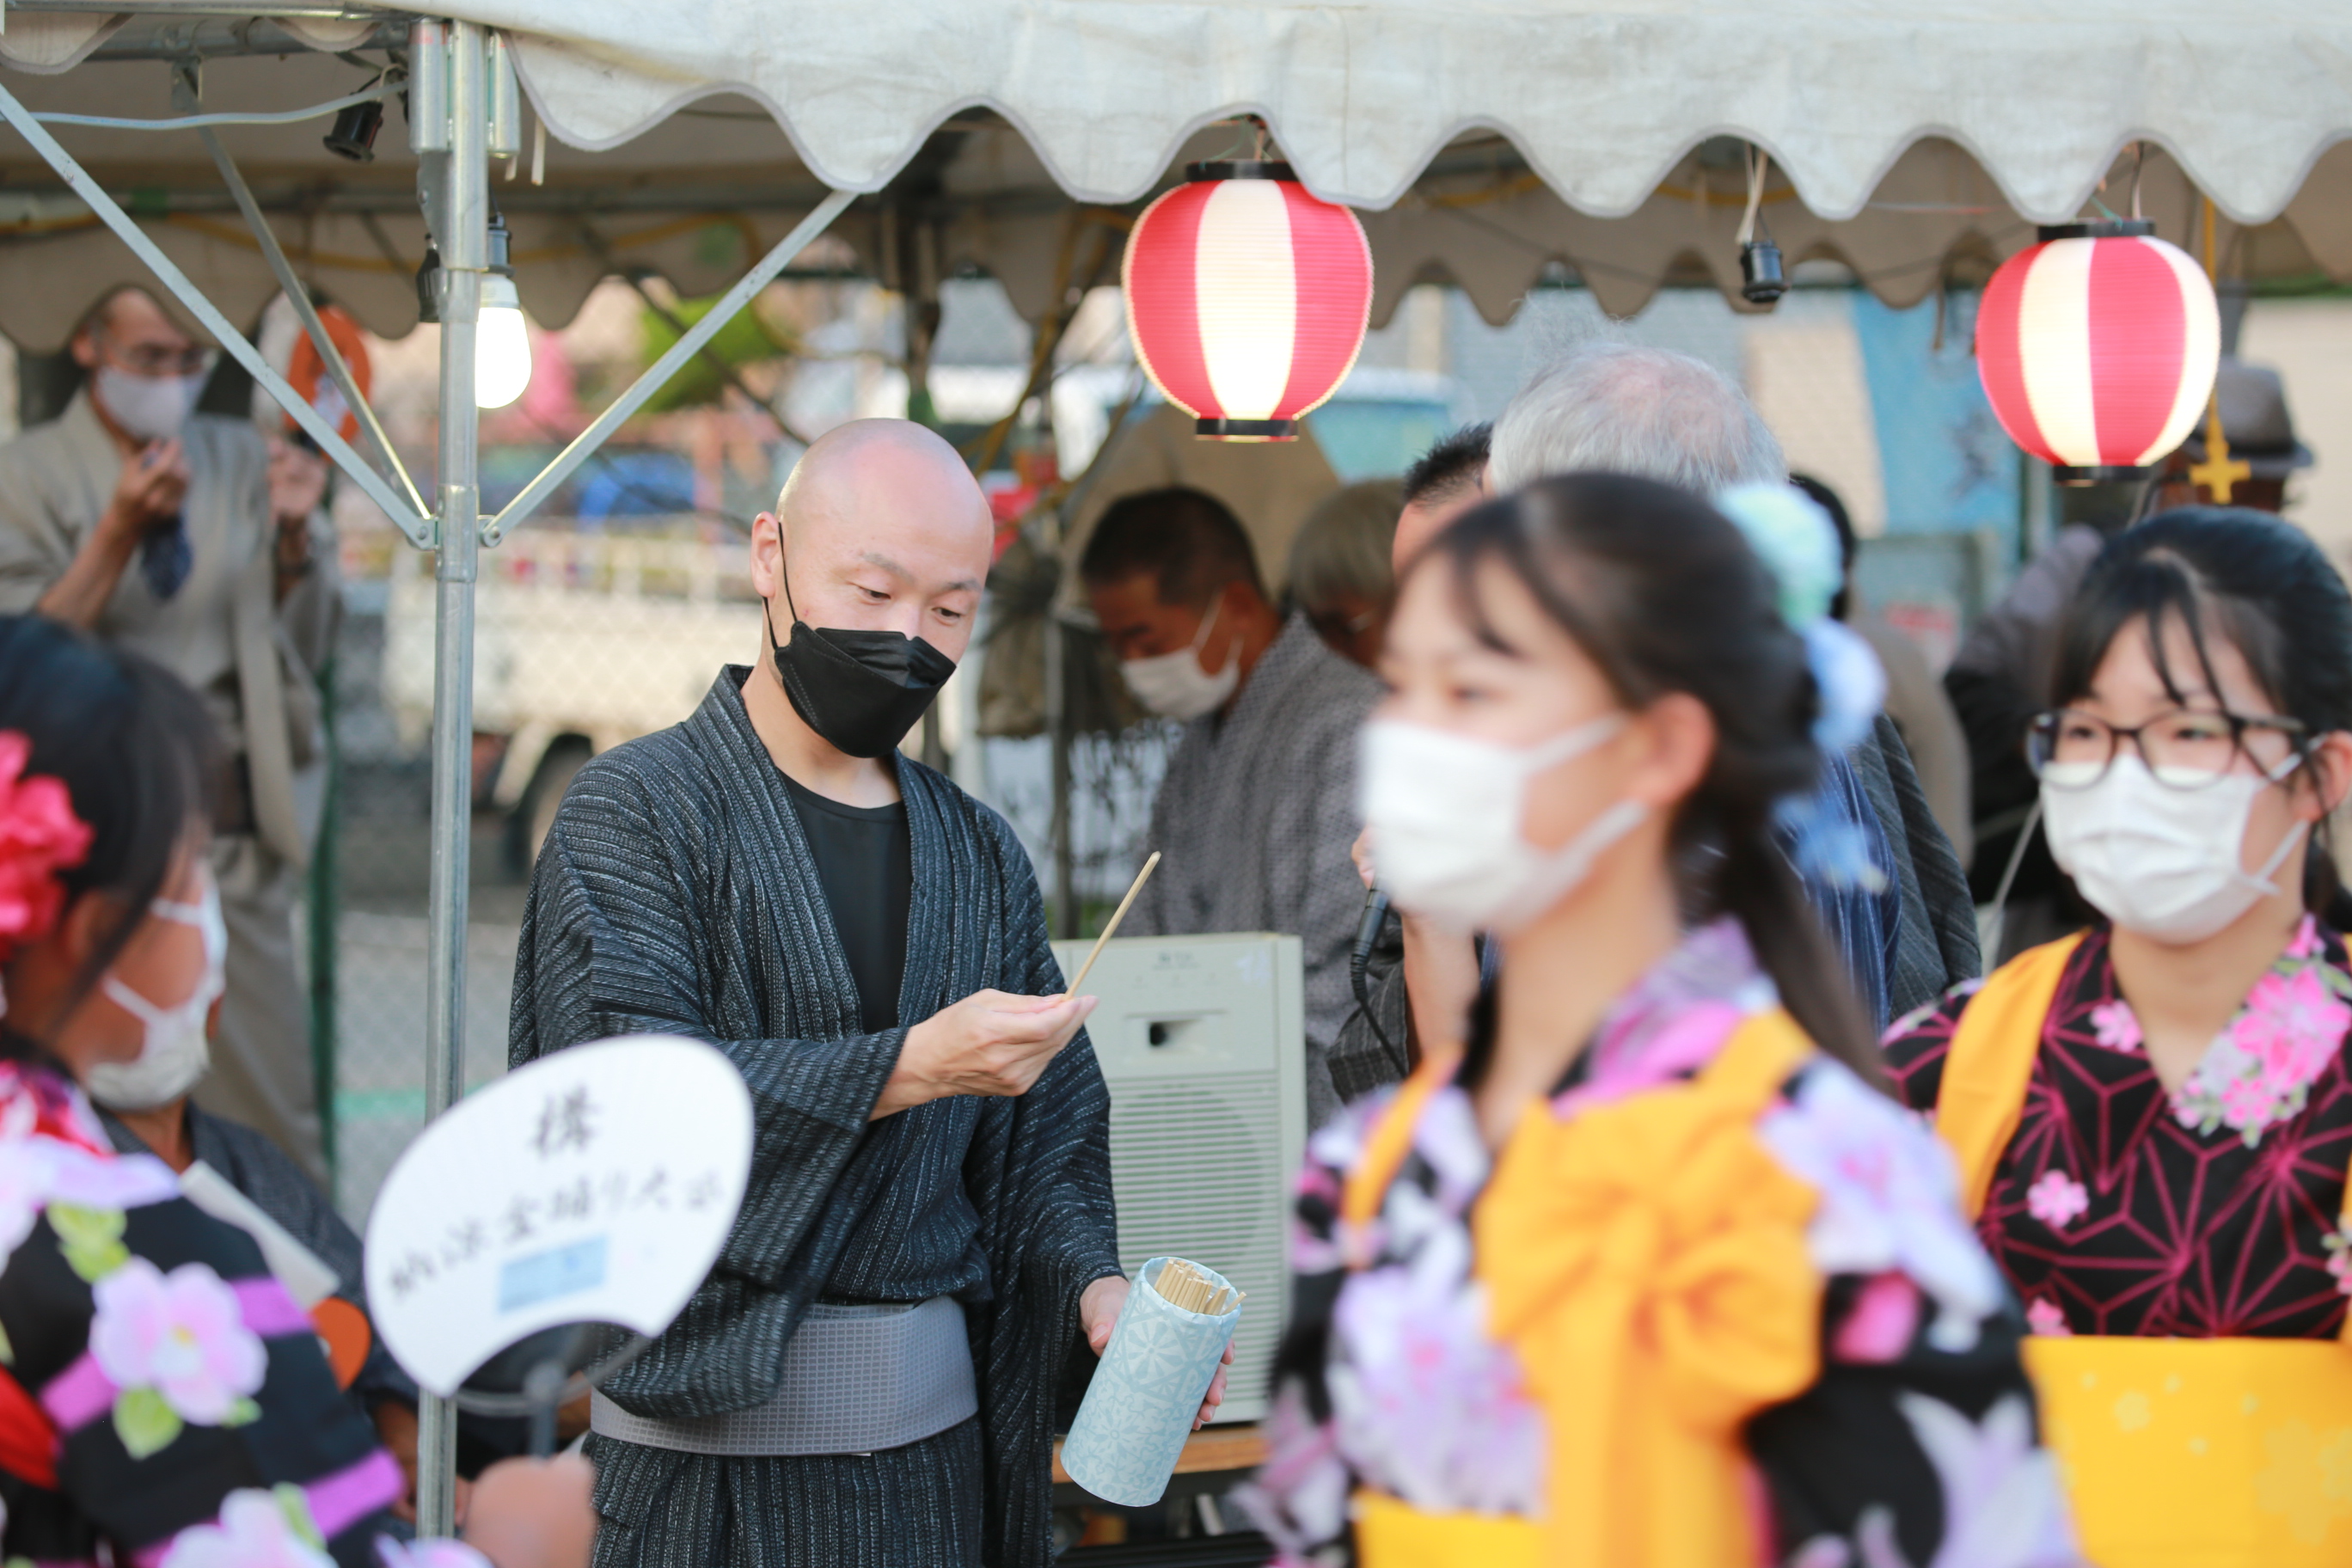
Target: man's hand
298, 483
990, 1042
534, 1513
148, 491
147, 494
1099, 1309
396, 1427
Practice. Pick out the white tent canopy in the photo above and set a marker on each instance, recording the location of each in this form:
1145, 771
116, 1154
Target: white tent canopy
712, 140
1914, 143
1603, 99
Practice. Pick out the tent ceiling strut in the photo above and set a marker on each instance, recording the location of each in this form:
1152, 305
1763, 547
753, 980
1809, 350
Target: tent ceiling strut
657, 374
419, 528
298, 295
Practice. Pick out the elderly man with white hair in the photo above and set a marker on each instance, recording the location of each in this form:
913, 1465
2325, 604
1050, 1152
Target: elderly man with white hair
1665, 415
1669, 417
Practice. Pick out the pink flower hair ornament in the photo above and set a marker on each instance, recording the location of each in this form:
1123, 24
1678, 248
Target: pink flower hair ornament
39, 836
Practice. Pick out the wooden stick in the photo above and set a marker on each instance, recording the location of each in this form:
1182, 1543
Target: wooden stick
1117, 915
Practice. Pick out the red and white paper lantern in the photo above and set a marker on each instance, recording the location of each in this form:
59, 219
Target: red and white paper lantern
2098, 347
1246, 297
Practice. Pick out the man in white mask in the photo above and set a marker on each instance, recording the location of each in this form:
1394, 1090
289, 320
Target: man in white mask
184, 537
1257, 809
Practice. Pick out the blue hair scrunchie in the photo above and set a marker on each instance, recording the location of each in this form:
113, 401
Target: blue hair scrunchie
1799, 545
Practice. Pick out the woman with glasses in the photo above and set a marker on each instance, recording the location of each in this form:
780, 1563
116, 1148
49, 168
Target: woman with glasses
2153, 1119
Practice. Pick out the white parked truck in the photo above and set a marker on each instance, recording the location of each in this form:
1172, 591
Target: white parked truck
581, 641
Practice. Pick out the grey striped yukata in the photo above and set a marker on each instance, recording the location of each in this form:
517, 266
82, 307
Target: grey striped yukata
677, 893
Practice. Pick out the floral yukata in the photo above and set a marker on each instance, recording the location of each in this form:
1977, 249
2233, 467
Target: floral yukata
1906, 1438
2120, 1209
163, 1402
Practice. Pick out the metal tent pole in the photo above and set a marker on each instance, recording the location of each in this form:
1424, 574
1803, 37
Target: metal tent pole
464, 236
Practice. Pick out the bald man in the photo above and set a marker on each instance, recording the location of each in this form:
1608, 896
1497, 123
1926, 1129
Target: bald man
867, 1377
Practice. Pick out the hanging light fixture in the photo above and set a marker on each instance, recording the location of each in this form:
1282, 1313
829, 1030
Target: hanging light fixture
1246, 297
501, 337
2098, 347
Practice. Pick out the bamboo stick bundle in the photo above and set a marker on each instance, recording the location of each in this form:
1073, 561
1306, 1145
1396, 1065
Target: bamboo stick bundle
1182, 1285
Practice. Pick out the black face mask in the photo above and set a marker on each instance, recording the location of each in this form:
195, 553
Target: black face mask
860, 691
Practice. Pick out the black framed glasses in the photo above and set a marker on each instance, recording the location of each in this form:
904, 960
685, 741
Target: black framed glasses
2184, 749
154, 360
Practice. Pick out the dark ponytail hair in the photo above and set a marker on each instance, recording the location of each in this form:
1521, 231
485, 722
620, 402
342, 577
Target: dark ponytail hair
2263, 586
134, 749
1665, 596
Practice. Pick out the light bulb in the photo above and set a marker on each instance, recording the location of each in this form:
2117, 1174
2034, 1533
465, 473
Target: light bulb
502, 346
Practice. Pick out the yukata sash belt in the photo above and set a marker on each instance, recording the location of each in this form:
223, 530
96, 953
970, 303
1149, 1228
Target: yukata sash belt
856, 1380
2177, 1453
1585, 1244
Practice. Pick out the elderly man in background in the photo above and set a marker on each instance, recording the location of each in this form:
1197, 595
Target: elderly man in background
195, 542
1668, 416
1340, 577
1257, 809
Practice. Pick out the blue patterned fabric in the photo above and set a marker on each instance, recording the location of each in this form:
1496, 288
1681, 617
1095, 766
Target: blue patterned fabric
1861, 922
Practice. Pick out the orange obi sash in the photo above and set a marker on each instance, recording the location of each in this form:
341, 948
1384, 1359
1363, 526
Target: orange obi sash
2177, 1453
1647, 1261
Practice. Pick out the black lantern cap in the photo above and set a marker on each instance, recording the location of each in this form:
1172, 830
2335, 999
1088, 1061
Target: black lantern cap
2109, 474
1247, 429
1238, 169
2106, 228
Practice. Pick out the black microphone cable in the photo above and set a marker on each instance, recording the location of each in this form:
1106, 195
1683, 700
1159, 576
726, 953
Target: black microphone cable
1360, 959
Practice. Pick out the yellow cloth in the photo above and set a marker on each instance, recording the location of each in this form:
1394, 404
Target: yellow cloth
1991, 1061
1394, 1534
1647, 1262
2219, 1453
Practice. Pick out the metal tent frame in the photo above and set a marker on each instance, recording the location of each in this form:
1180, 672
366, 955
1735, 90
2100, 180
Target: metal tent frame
462, 114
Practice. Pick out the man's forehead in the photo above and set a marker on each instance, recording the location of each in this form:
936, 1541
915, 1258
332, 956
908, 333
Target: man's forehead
130, 313
956, 579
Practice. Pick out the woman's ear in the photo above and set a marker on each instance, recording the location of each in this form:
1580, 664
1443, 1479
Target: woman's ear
2328, 766
1680, 733
88, 924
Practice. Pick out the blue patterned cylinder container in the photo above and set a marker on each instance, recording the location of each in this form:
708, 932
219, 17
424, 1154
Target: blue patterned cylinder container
1138, 1410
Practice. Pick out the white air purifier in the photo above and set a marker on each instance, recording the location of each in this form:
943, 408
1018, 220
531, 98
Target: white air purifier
1203, 1041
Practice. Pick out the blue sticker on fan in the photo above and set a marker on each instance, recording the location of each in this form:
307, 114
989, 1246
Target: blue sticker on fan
543, 1276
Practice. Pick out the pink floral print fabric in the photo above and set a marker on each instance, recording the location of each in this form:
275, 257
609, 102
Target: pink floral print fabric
2119, 1208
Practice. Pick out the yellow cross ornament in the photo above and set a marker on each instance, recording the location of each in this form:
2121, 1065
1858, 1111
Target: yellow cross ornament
2219, 473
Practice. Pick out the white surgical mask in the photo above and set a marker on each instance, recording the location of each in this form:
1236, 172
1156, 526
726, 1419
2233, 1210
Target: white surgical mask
1174, 686
1445, 814
175, 1056
2162, 862
151, 407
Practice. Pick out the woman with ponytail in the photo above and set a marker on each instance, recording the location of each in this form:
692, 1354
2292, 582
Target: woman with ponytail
1652, 1274
2153, 1119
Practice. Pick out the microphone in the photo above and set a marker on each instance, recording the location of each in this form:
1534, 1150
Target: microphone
1368, 935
